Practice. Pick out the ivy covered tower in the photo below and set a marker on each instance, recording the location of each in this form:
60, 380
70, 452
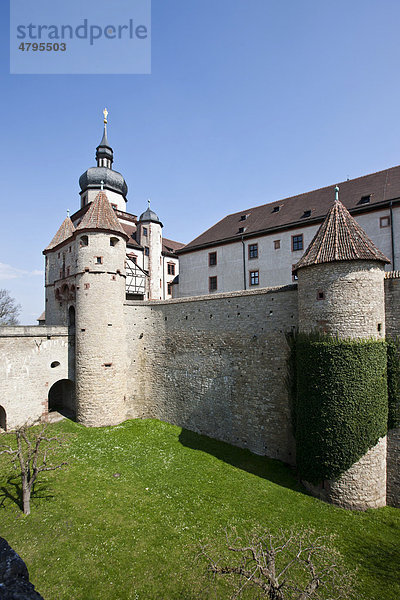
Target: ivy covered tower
341, 293
101, 351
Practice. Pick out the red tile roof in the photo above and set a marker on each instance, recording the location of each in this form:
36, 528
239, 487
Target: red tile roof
100, 215
340, 238
301, 210
65, 231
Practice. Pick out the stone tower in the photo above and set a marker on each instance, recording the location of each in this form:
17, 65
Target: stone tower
341, 292
150, 236
101, 353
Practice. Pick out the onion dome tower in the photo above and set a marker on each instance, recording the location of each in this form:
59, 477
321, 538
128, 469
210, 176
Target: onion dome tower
150, 237
341, 292
101, 352
91, 180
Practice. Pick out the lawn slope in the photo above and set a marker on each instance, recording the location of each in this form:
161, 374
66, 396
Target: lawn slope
123, 520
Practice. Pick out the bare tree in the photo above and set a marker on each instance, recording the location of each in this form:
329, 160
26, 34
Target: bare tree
9, 309
288, 566
30, 456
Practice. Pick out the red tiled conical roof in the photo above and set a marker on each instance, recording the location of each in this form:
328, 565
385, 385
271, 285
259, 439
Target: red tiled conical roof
100, 215
340, 238
65, 231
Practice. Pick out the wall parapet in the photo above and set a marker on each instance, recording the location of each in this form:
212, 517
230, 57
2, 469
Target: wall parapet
44, 331
216, 296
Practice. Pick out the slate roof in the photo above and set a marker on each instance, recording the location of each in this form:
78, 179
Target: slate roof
303, 209
130, 231
339, 238
170, 247
64, 232
100, 215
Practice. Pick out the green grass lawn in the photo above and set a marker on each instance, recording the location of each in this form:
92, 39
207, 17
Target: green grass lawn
93, 536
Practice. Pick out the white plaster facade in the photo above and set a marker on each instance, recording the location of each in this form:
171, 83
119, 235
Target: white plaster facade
274, 264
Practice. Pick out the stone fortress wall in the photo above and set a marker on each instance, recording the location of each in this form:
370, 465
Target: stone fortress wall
212, 364
28, 370
216, 365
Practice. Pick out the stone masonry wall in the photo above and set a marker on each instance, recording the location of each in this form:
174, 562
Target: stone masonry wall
216, 365
362, 486
353, 299
26, 375
392, 306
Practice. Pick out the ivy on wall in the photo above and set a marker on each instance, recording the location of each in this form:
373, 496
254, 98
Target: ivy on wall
341, 404
393, 381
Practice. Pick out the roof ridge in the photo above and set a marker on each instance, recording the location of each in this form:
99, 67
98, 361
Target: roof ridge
100, 215
324, 187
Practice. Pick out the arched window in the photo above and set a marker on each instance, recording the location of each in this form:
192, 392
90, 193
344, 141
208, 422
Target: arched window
114, 241
84, 241
71, 316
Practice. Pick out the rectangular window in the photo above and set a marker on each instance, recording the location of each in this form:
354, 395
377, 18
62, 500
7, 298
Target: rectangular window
67, 271
170, 288
146, 250
212, 284
145, 231
254, 277
384, 222
99, 260
212, 259
171, 269
253, 250
297, 242
277, 244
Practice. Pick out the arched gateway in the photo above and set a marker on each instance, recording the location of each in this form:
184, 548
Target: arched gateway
62, 398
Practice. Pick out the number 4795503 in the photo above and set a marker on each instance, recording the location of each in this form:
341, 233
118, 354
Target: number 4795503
42, 46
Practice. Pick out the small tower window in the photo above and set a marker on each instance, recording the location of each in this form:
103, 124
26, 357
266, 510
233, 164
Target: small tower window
145, 231
146, 250
320, 295
99, 260
114, 241
84, 241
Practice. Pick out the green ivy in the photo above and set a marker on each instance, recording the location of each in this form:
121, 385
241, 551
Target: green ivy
341, 405
393, 376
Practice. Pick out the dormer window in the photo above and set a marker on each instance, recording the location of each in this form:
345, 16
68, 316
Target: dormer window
365, 199
276, 209
306, 214
241, 229
243, 217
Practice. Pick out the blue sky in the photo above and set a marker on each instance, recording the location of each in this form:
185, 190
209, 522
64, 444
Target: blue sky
248, 101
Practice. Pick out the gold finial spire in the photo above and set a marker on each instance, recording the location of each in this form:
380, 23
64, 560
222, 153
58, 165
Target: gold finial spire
105, 113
